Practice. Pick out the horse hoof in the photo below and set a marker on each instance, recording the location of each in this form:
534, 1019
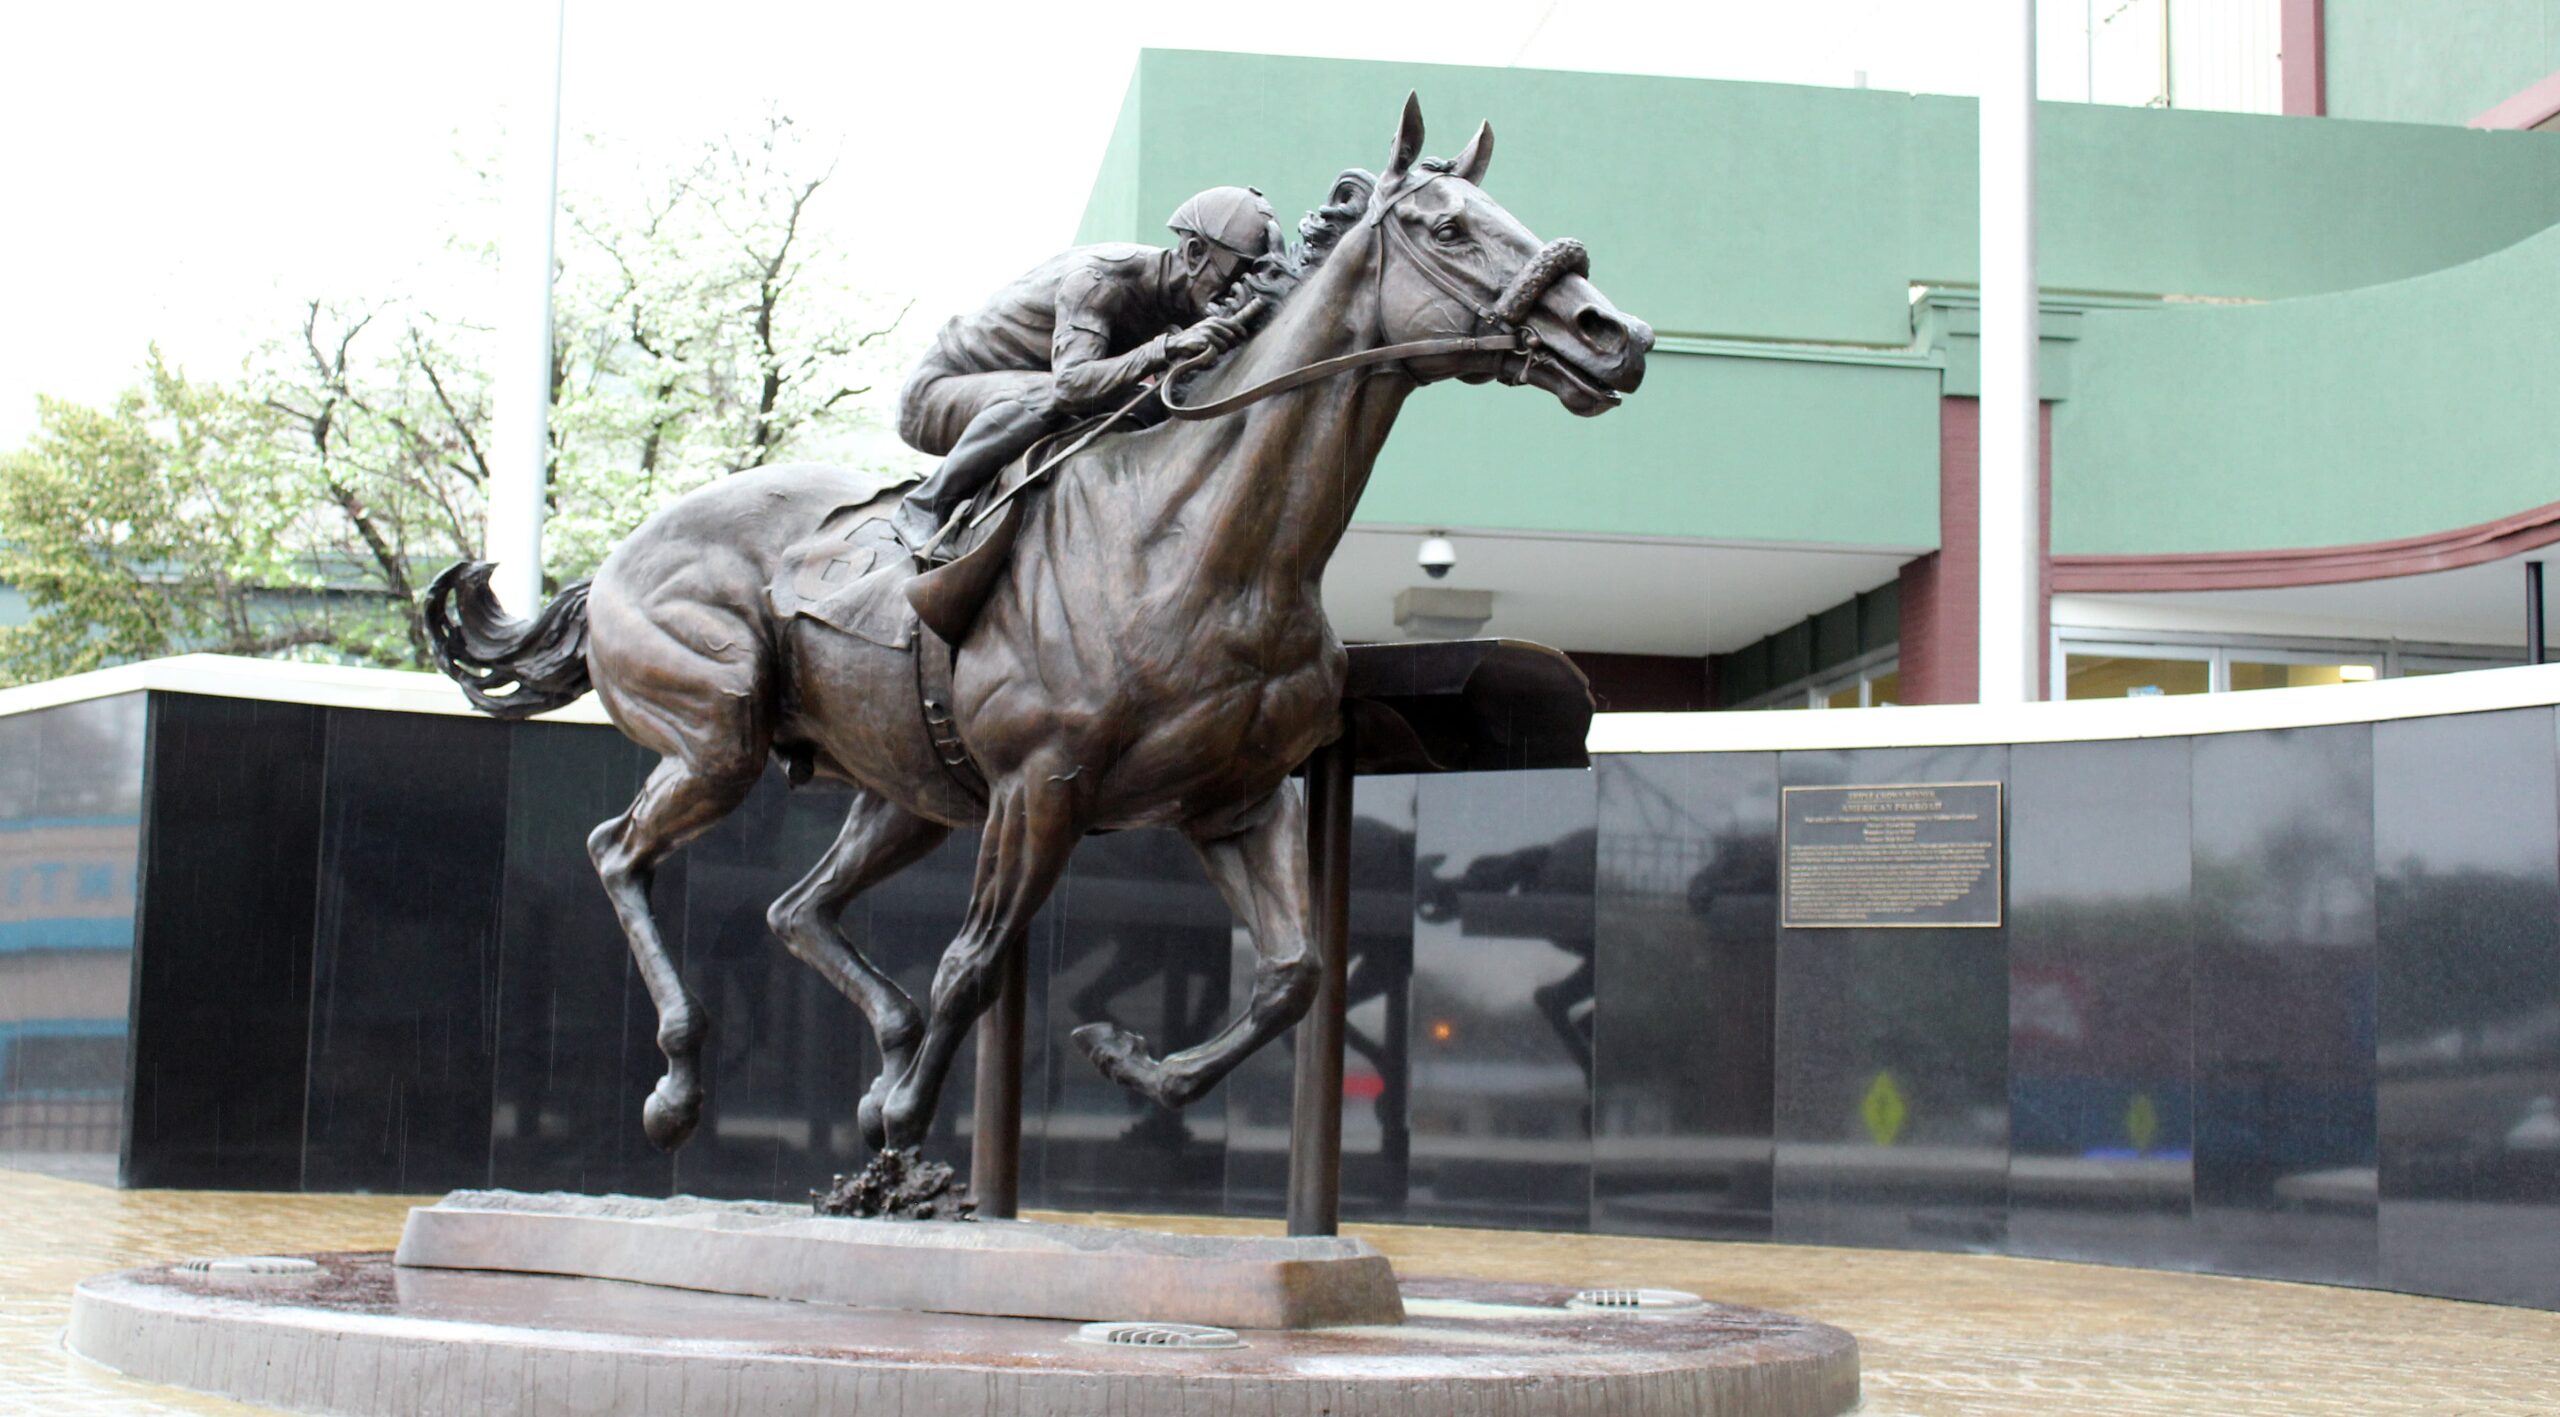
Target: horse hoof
1117, 1053
669, 1119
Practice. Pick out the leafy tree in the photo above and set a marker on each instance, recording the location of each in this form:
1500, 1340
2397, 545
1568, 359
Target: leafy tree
701, 327
147, 527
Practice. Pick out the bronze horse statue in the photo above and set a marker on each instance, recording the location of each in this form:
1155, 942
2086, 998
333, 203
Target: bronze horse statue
1154, 653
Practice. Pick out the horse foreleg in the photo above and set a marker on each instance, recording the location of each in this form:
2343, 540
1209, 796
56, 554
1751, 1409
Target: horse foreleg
1034, 820
878, 840
675, 806
1262, 872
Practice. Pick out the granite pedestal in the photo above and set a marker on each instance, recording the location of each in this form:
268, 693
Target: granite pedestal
358, 1336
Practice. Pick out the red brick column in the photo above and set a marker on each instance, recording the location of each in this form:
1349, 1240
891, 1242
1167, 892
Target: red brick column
2304, 43
1941, 592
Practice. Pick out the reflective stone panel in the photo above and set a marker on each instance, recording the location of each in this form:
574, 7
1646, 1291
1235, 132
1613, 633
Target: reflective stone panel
70, 841
1377, 1135
787, 1057
576, 1034
222, 1016
1505, 1000
2466, 837
2283, 989
1686, 912
405, 955
1892, 1111
1141, 940
2101, 1097
903, 925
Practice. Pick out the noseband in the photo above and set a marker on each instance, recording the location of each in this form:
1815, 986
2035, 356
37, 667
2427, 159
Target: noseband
1506, 314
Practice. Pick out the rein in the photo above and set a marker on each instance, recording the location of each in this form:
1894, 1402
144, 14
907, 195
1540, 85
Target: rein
1307, 374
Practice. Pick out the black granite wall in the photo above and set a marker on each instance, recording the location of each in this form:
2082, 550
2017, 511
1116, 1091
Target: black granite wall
70, 835
2282, 1003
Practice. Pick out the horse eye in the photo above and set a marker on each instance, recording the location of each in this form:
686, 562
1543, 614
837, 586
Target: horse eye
1448, 233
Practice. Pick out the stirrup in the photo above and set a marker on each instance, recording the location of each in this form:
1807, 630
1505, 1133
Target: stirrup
930, 547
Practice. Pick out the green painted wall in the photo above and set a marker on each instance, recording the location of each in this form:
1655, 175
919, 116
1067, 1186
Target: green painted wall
1794, 221
1111, 212
2376, 414
2436, 61
1757, 449
1771, 211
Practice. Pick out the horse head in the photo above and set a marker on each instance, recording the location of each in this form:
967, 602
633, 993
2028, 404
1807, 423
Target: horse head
1454, 262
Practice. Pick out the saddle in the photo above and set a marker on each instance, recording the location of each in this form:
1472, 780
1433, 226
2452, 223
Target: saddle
853, 575
845, 573
978, 545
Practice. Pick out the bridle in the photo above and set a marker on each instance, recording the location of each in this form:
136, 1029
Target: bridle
1506, 314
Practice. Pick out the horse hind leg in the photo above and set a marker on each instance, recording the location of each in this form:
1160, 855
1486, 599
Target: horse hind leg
1262, 873
878, 840
676, 805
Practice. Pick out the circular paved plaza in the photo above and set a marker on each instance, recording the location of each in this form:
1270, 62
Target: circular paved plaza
1958, 1335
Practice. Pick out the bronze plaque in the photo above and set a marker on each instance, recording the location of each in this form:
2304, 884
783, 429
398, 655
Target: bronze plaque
1896, 855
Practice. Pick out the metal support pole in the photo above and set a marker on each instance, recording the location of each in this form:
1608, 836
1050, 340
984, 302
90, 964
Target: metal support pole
1315, 1112
2534, 652
520, 443
2011, 547
995, 1147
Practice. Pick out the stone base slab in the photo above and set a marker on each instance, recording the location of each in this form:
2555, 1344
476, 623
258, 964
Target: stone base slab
362, 1337
1012, 1269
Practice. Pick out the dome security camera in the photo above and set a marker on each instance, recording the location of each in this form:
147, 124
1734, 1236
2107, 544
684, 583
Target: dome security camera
1436, 556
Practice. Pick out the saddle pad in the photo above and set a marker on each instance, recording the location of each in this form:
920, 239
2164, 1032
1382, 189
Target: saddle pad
848, 576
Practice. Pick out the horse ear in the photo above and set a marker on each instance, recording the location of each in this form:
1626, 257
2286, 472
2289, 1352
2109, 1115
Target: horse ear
1477, 156
1408, 138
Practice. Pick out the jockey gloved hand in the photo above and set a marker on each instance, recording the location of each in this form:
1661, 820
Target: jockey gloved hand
1216, 334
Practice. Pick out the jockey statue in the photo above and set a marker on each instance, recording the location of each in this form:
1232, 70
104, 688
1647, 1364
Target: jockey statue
1076, 335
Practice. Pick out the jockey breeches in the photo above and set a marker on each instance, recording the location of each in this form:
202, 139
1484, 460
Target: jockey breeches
939, 402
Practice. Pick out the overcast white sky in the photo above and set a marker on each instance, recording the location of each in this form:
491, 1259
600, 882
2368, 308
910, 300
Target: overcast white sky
190, 172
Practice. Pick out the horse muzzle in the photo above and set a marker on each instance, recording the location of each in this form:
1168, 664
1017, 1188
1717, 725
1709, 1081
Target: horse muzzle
1588, 353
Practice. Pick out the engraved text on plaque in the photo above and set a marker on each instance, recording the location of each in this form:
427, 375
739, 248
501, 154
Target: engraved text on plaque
1925, 853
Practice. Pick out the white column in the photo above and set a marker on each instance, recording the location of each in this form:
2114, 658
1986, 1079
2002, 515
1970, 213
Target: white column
2011, 445
520, 443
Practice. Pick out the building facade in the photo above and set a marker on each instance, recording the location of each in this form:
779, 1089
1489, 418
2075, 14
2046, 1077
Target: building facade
2289, 364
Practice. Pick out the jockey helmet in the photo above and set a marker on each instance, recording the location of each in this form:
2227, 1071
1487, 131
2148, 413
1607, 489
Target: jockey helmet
1235, 218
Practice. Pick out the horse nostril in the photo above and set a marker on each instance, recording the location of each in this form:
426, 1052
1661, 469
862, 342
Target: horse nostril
1604, 332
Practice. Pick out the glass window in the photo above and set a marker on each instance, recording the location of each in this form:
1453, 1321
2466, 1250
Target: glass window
1885, 688
2414, 666
2246, 674
1845, 696
2107, 676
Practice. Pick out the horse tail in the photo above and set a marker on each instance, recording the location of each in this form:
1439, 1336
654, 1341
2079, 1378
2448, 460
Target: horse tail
508, 667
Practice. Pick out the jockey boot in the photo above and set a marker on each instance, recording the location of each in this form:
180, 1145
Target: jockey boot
914, 524
994, 438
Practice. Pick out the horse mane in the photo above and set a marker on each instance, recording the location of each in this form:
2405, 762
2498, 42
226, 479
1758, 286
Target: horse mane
1275, 276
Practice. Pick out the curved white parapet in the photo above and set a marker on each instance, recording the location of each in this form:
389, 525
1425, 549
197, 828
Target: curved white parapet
1936, 725
2185, 716
277, 681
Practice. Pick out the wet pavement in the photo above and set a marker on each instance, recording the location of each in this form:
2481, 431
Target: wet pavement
1940, 1334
